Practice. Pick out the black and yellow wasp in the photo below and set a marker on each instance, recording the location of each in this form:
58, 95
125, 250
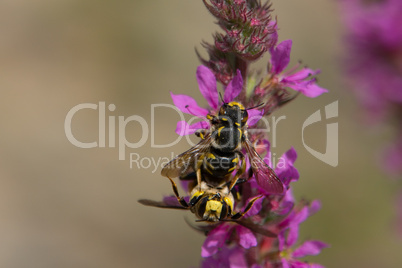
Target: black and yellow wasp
214, 167
211, 205
218, 159
208, 203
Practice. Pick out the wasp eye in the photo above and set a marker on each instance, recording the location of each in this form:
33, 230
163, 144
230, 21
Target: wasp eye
222, 110
202, 206
224, 211
244, 117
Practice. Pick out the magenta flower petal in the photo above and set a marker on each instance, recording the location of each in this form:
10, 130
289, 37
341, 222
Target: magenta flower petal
254, 116
293, 235
183, 128
312, 247
285, 169
207, 85
286, 205
273, 36
301, 216
215, 240
281, 241
285, 208
188, 105
308, 88
237, 259
313, 90
246, 237
285, 263
293, 223
280, 56
301, 75
291, 155
234, 87
314, 207
315, 265
299, 264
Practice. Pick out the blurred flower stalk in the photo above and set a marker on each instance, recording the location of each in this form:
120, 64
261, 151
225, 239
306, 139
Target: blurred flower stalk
249, 32
374, 69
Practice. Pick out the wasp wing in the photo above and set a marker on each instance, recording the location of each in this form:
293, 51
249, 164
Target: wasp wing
201, 228
256, 228
159, 204
264, 175
183, 163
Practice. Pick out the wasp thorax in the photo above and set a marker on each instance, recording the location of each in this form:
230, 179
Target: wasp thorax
228, 127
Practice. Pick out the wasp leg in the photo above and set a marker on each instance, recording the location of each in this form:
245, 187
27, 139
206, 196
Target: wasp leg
200, 162
201, 133
239, 172
236, 192
249, 206
212, 118
199, 178
176, 193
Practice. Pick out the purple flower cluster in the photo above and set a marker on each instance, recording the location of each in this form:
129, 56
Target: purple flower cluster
249, 31
374, 65
233, 245
266, 235
272, 90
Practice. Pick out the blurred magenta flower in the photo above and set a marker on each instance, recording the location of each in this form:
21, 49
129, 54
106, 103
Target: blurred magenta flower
373, 63
373, 67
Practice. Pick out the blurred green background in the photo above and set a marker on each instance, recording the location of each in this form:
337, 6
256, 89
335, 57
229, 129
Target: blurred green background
63, 206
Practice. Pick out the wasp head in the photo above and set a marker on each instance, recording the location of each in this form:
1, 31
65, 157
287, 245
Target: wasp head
211, 207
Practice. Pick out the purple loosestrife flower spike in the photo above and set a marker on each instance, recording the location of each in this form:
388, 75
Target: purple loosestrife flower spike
265, 236
247, 25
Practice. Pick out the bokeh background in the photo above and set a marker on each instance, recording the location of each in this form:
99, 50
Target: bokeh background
63, 206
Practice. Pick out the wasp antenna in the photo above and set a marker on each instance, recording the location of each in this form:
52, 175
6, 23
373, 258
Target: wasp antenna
259, 105
220, 95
